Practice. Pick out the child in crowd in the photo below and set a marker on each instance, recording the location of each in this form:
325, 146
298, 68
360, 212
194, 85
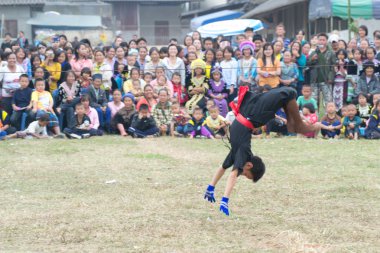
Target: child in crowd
229, 72
310, 117
216, 123
36, 129
148, 77
162, 84
179, 90
119, 77
306, 97
218, 91
80, 127
198, 87
179, 120
98, 99
278, 124
368, 83
123, 118
373, 129
196, 127
364, 110
143, 124
39, 73
162, 113
42, 103
5, 128
91, 113
21, 103
331, 122
135, 76
136, 90
340, 78
351, 123
85, 78
289, 71
210, 103
354, 70
247, 71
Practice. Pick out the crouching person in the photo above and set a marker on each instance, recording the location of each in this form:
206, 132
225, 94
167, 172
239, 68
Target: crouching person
143, 124
80, 125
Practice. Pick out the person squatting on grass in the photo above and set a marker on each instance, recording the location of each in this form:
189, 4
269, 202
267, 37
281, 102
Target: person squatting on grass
252, 111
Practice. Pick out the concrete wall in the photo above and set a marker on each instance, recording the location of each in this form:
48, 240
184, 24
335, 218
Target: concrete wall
151, 13
20, 13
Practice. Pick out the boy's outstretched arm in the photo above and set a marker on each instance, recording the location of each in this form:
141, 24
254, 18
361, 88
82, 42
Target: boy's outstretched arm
209, 194
295, 122
227, 192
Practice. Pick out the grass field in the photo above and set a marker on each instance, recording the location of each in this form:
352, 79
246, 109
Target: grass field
317, 196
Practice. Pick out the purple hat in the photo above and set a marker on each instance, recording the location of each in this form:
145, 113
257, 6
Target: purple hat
247, 44
217, 69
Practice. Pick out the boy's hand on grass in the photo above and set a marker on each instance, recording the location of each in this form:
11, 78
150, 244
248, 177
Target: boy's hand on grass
209, 194
224, 206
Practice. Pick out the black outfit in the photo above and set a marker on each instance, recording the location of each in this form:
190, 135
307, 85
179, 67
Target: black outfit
258, 108
5, 45
64, 68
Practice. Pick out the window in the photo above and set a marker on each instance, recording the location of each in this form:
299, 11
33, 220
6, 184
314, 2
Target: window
10, 26
126, 15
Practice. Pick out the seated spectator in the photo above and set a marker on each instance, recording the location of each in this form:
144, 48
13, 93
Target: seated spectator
148, 98
198, 87
5, 128
364, 109
143, 124
42, 102
278, 124
351, 123
162, 84
135, 76
310, 117
331, 122
91, 113
179, 120
113, 106
306, 97
373, 129
98, 99
80, 125
39, 73
123, 118
216, 123
119, 77
162, 113
36, 129
218, 91
68, 96
85, 78
179, 90
21, 103
289, 71
368, 83
196, 127
148, 77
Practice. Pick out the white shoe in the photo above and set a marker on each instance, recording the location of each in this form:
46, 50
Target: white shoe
75, 136
85, 136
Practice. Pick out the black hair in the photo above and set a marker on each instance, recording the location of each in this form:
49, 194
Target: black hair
70, 72
323, 35
15, 43
176, 74
39, 80
86, 41
24, 76
172, 45
124, 44
141, 39
153, 49
63, 36
267, 87
143, 107
257, 37
300, 48
44, 118
197, 109
341, 51
85, 70
187, 36
213, 53
365, 28
129, 43
207, 38
7, 34
258, 168
310, 107
370, 48
163, 50
21, 49
143, 48
368, 64
76, 50
78, 105
229, 49
85, 97
173, 39
264, 58
344, 42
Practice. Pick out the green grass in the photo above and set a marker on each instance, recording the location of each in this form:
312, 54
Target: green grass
317, 196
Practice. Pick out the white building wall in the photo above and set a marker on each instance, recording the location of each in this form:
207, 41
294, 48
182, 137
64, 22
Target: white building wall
21, 13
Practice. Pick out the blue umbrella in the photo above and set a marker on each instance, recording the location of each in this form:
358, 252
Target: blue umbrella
229, 27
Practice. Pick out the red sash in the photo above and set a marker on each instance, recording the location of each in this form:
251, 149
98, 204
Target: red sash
236, 108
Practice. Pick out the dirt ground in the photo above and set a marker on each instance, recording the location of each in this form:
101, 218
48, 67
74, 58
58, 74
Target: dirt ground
114, 194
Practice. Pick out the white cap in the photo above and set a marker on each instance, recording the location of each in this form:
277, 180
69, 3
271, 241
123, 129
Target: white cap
333, 38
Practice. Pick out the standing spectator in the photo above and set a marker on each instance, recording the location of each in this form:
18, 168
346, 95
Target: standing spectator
340, 86
229, 72
65, 65
363, 35
258, 40
210, 61
81, 61
289, 71
322, 62
9, 77
174, 64
42, 50
101, 67
300, 59
142, 59
7, 41
53, 67
269, 68
23, 42
280, 33
155, 61
247, 71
